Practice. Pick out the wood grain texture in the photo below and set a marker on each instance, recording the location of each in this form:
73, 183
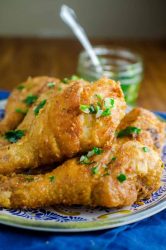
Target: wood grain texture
23, 57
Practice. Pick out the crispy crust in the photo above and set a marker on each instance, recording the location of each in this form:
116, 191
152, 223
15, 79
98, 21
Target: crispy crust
75, 183
61, 129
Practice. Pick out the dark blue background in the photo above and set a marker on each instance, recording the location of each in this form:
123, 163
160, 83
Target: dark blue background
148, 234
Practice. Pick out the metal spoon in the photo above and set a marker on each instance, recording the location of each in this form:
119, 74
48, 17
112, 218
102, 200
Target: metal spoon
69, 17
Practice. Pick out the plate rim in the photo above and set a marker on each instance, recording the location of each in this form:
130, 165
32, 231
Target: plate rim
86, 226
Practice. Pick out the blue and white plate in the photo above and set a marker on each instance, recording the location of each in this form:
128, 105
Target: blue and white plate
79, 218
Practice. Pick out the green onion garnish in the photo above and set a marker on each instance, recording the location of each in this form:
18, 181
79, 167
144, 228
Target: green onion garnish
84, 159
128, 131
51, 84
145, 149
30, 99
72, 78
109, 102
39, 107
20, 87
121, 177
52, 178
14, 135
95, 170
21, 111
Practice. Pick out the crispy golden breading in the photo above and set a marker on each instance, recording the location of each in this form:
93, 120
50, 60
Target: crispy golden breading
152, 129
134, 174
56, 128
17, 107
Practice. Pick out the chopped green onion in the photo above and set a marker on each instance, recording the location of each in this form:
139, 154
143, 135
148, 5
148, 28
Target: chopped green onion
65, 80
30, 99
85, 108
94, 151
84, 159
99, 113
39, 107
97, 151
92, 109
88, 108
99, 96
145, 149
128, 131
51, 84
72, 78
14, 135
97, 108
109, 102
106, 112
113, 159
52, 178
21, 111
59, 88
95, 170
121, 177
20, 87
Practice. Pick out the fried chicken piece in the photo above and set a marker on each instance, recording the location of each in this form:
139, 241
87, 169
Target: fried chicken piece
61, 125
21, 98
106, 182
152, 132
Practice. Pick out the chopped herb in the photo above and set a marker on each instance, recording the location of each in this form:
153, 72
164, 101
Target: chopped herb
84, 159
14, 135
99, 113
72, 78
21, 111
39, 107
30, 99
20, 87
85, 108
99, 105
97, 108
145, 149
97, 151
106, 112
59, 88
92, 109
121, 177
109, 102
29, 178
113, 159
94, 151
99, 96
52, 178
65, 80
128, 131
51, 84
95, 170
90, 153
88, 109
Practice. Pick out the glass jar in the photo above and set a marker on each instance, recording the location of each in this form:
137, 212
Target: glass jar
118, 64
